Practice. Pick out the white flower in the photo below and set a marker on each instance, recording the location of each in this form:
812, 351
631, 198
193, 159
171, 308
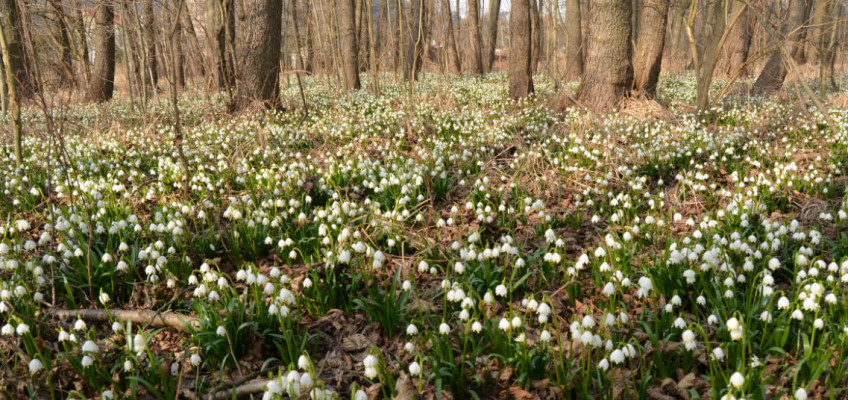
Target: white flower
104, 298
370, 361
603, 364
500, 290
411, 330
22, 225
87, 361
414, 369
303, 362
504, 324
801, 394
737, 380
90, 347
617, 356
360, 395
444, 328
35, 365
195, 359
22, 329
718, 354
476, 327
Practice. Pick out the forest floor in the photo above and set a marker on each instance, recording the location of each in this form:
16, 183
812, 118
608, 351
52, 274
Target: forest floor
441, 242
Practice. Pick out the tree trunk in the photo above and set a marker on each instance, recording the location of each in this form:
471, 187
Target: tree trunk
150, 42
574, 41
520, 29
450, 39
774, 73
11, 25
492, 34
260, 70
177, 42
475, 56
64, 36
609, 73
647, 58
103, 75
535, 35
350, 51
12, 83
80, 28
735, 52
417, 39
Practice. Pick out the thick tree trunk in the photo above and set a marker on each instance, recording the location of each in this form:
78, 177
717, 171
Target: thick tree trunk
260, 71
520, 77
647, 58
475, 56
103, 75
492, 34
574, 41
609, 72
450, 39
11, 25
14, 95
177, 42
350, 51
535, 35
774, 73
417, 39
735, 52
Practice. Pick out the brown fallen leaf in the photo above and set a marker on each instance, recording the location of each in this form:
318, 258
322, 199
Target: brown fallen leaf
518, 393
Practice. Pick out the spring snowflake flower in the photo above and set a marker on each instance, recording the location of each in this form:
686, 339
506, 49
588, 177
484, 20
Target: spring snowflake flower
718, 354
35, 365
737, 380
617, 356
22, 329
87, 361
411, 330
501, 290
603, 364
8, 330
801, 394
22, 225
90, 347
414, 369
476, 327
444, 328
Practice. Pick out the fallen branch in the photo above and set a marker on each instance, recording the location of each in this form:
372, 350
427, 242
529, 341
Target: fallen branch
255, 386
173, 320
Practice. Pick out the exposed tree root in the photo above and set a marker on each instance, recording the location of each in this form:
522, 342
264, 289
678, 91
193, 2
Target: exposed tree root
173, 320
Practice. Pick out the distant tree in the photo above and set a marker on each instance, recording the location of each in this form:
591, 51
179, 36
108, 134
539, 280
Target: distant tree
574, 40
149, 35
475, 55
492, 33
608, 73
350, 51
259, 79
452, 55
647, 58
102, 82
520, 76
14, 98
417, 40
535, 35
735, 53
774, 73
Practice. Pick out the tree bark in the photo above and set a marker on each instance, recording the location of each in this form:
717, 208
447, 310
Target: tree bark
260, 69
735, 52
150, 42
574, 41
647, 58
492, 34
12, 84
450, 39
520, 76
11, 25
609, 72
66, 61
475, 56
350, 51
535, 35
103, 74
774, 73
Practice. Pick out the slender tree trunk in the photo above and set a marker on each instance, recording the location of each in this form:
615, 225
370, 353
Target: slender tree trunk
177, 42
150, 41
574, 41
260, 71
4, 100
82, 55
774, 73
11, 25
64, 43
103, 76
492, 34
349, 50
475, 55
609, 72
308, 48
417, 40
520, 29
647, 57
450, 40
